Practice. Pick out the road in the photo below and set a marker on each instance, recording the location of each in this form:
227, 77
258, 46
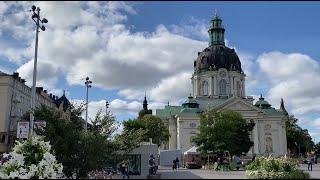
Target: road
182, 173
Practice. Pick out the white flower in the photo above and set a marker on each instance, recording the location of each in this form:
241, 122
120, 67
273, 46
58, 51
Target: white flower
13, 174
47, 167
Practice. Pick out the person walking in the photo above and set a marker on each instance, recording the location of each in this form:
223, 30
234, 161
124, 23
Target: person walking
125, 170
310, 162
177, 162
174, 165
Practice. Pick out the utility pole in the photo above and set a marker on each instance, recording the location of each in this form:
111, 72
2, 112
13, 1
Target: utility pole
36, 14
87, 83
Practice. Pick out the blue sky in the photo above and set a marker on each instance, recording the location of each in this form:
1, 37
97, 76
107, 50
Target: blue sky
127, 48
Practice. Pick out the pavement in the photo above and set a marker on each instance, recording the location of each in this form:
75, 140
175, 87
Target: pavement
315, 173
183, 173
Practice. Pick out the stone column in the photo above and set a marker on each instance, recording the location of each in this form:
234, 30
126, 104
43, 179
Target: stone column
243, 88
281, 149
231, 84
211, 86
192, 82
198, 86
178, 134
173, 134
215, 84
284, 138
256, 138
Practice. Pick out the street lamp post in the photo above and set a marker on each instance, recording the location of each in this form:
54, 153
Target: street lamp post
107, 106
35, 15
87, 83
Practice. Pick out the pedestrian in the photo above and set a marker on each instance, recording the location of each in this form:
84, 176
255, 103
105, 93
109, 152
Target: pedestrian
177, 162
125, 170
174, 164
310, 162
152, 168
253, 158
220, 162
237, 162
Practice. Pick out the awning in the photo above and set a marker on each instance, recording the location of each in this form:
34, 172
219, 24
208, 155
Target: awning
192, 150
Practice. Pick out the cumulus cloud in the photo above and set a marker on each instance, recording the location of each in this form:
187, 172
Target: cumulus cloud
294, 77
91, 39
47, 74
191, 27
116, 107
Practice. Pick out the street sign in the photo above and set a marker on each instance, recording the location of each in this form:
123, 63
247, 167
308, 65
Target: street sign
40, 125
23, 129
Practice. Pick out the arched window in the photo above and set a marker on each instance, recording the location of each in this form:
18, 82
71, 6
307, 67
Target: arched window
204, 88
222, 86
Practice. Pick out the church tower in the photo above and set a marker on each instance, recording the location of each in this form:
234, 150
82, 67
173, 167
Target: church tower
217, 69
145, 109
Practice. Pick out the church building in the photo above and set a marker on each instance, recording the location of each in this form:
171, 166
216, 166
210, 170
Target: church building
218, 82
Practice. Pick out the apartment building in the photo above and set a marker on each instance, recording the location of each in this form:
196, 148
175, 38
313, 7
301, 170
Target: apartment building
15, 99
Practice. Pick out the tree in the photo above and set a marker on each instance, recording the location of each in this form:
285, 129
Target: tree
222, 131
142, 129
317, 148
105, 125
298, 139
80, 152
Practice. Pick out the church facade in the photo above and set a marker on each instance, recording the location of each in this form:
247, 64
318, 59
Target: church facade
218, 82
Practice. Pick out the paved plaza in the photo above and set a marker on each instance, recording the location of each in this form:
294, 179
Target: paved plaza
182, 173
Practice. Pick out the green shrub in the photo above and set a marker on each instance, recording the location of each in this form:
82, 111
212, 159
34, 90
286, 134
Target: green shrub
274, 168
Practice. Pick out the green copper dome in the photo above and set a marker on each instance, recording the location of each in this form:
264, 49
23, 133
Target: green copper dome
190, 103
190, 106
262, 103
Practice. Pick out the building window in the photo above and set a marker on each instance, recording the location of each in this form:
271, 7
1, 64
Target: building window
193, 125
204, 88
222, 86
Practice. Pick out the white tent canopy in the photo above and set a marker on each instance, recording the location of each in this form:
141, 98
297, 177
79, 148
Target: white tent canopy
192, 150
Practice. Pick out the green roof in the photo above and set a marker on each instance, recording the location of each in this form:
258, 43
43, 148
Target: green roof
262, 103
168, 111
272, 112
207, 103
190, 110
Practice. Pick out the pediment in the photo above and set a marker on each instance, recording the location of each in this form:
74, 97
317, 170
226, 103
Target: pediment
238, 104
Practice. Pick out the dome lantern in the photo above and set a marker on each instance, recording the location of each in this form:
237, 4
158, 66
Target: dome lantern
216, 31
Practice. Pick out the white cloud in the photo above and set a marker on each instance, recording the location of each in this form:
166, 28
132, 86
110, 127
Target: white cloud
47, 74
173, 89
116, 107
90, 39
192, 28
295, 78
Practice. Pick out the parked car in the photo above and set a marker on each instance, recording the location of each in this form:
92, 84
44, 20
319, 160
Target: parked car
192, 165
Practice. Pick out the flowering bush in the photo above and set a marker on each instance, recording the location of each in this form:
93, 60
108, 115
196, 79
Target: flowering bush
274, 168
31, 159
